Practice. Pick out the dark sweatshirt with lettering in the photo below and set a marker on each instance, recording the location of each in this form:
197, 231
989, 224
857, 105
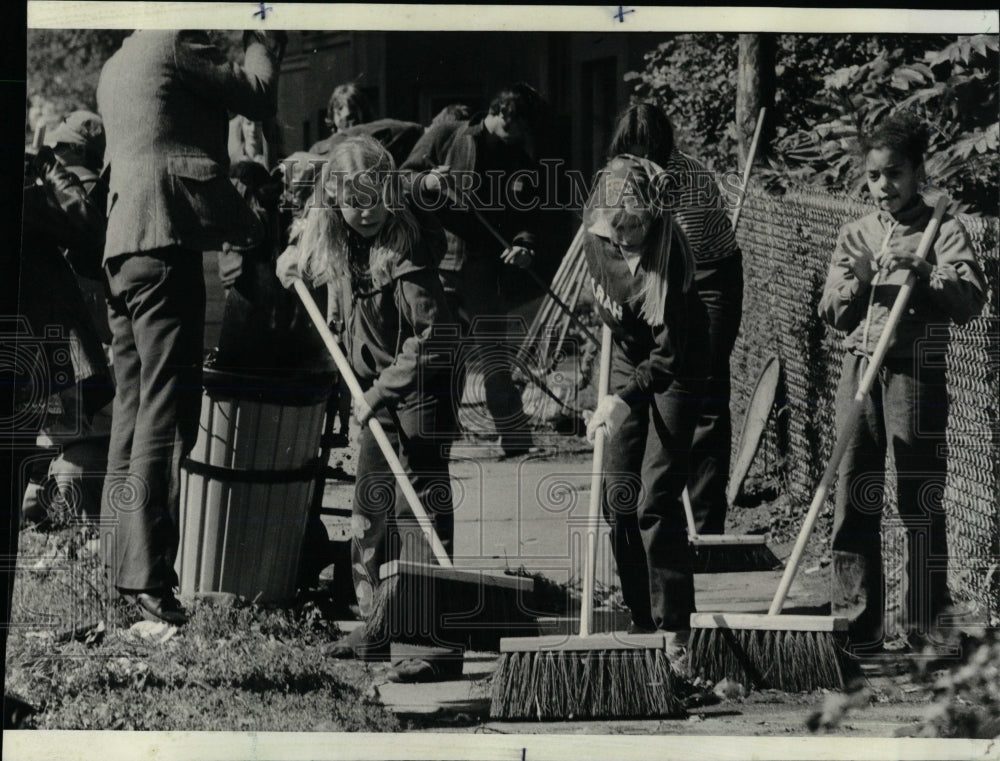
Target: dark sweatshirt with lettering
676, 351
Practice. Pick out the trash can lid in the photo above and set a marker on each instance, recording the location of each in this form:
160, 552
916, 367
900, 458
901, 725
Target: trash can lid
294, 388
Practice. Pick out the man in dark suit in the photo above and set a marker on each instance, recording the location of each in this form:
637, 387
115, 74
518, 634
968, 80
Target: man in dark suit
164, 97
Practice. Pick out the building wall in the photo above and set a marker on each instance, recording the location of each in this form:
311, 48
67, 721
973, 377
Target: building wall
317, 62
412, 75
597, 64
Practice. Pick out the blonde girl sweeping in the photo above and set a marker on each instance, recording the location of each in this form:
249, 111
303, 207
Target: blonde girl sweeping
361, 229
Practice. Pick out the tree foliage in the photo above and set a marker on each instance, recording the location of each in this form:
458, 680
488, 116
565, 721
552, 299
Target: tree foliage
830, 88
692, 77
64, 65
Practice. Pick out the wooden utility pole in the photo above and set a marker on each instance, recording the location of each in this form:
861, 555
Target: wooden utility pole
755, 86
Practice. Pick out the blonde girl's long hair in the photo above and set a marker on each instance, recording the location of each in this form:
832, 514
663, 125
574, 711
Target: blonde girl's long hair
320, 234
669, 240
652, 296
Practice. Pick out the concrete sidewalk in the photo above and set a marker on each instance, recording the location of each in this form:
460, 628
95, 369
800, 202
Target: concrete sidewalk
531, 513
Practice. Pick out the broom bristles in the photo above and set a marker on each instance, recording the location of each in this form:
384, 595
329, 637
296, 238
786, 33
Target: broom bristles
590, 684
443, 612
733, 558
792, 661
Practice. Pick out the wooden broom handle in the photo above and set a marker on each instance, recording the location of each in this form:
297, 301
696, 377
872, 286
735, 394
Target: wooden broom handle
440, 554
564, 273
596, 494
751, 154
689, 514
846, 433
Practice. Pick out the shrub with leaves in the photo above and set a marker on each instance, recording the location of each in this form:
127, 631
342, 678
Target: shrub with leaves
963, 691
692, 78
966, 699
951, 85
64, 66
828, 87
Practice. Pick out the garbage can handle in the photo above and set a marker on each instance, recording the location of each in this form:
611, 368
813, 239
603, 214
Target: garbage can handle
388, 451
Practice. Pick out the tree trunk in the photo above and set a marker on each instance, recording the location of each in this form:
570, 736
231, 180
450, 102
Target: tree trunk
755, 86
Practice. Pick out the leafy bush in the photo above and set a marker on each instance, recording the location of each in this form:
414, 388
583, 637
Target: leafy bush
952, 87
963, 691
64, 66
828, 87
966, 699
692, 77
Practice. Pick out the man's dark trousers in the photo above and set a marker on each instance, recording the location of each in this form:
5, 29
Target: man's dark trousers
156, 307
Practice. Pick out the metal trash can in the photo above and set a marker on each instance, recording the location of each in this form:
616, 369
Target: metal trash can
247, 486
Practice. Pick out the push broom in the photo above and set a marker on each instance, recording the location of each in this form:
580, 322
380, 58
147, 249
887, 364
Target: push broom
726, 553
796, 653
420, 602
589, 676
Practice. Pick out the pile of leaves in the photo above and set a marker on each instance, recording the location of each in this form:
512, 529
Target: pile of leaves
554, 598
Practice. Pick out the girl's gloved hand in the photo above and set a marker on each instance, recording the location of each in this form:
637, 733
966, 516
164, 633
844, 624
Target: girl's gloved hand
365, 412
611, 412
230, 265
287, 266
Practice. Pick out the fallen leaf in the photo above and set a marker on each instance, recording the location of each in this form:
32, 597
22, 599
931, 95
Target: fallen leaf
154, 631
729, 689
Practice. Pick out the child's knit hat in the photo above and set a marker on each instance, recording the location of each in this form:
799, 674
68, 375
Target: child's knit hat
624, 185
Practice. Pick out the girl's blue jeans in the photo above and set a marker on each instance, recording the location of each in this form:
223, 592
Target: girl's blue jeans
906, 415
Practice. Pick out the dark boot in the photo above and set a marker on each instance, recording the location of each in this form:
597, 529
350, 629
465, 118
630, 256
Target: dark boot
857, 595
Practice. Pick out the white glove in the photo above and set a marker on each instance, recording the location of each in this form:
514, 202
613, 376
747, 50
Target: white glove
611, 412
230, 265
287, 266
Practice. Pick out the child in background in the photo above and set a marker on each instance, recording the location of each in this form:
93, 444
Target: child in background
365, 232
642, 274
907, 408
696, 206
348, 106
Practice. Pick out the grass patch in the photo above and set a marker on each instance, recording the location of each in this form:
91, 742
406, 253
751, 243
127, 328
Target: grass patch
237, 667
